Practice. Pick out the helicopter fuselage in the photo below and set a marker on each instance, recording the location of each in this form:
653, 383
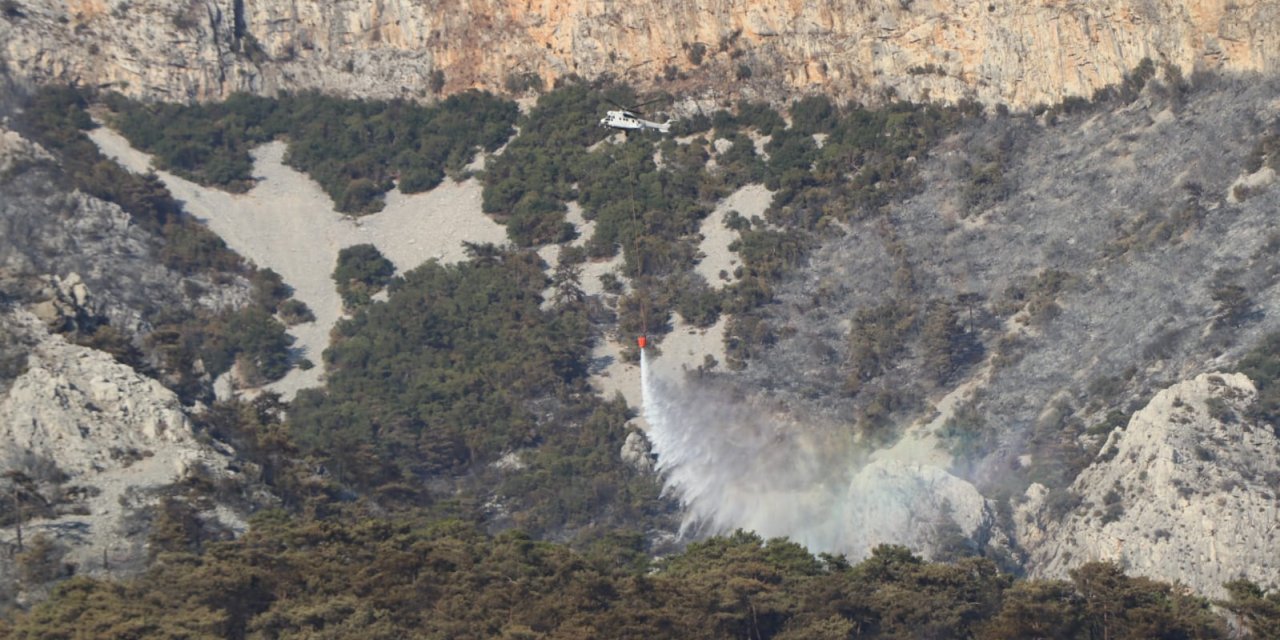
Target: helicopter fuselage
628, 121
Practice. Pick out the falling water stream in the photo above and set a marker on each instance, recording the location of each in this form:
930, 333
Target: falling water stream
734, 464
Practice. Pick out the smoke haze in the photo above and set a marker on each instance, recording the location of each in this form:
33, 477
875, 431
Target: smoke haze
733, 464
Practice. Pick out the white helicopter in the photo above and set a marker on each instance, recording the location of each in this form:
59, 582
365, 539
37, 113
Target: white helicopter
628, 119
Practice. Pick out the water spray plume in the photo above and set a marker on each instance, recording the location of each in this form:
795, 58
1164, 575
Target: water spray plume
735, 464
730, 467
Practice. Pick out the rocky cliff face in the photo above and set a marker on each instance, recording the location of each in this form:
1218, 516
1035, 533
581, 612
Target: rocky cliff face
1017, 53
1186, 492
79, 407
69, 253
101, 445
96, 444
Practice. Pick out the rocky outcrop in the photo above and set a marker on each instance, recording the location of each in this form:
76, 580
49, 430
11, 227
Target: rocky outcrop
16, 151
101, 443
97, 443
1016, 53
920, 506
1186, 492
79, 407
635, 452
65, 304
78, 259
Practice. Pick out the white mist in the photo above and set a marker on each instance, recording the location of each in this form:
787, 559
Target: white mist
733, 464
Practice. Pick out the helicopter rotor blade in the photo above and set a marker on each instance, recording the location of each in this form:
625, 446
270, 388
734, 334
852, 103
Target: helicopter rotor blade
635, 108
643, 104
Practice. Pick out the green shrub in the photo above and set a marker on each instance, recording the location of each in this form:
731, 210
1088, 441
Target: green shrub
361, 271
761, 117
419, 180
1220, 410
814, 114
946, 345
746, 336
269, 289
696, 302
696, 52
261, 344
1234, 303
739, 165
294, 311
540, 166
1262, 365
11, 10
967, 434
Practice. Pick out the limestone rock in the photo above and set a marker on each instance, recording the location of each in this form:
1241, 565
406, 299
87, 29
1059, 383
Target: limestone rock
510, 462
1186, 492
635, 452
115, 437
913, 505
67, 306
1017, 53
76, 405
75, 258
15, 150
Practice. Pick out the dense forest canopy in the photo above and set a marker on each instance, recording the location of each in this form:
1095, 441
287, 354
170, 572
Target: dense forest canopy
463, 366
355, 575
